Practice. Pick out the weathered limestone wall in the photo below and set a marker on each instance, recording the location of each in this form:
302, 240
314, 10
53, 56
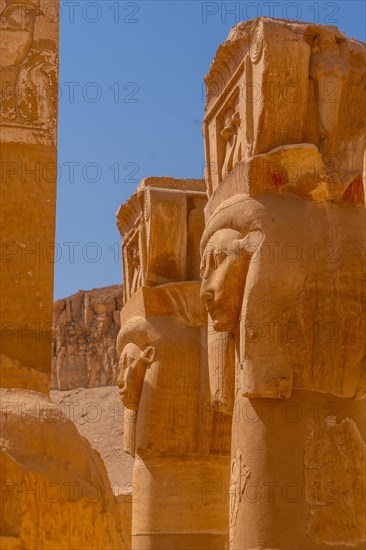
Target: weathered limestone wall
28, 122
86, 325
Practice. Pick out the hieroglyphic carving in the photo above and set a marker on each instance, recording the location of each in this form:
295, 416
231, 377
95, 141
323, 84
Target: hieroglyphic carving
134, 273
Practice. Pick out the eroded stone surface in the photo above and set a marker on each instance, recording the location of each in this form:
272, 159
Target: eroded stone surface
54, 485
335, 482
28, 122
86, 325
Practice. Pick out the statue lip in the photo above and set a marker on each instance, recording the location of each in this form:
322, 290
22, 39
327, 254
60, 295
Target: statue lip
128, 402
215, 311
218, 322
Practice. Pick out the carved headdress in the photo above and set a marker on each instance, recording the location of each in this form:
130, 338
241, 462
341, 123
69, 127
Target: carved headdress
240, 213
138, 330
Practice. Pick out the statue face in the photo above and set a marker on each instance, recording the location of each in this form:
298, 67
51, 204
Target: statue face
224, 267
133, 365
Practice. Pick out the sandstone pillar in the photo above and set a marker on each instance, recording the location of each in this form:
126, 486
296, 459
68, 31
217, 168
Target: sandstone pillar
283, 271
179, 441
55, 492
28, 122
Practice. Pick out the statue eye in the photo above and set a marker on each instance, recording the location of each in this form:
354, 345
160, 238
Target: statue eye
219, 258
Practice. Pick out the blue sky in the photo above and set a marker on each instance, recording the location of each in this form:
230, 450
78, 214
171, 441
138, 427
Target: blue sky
131, 106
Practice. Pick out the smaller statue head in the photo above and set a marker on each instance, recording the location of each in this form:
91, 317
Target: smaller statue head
136, 356
133, 365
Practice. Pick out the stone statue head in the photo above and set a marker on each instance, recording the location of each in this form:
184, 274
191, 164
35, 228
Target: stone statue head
136, 356
133, 365
227, 246
301, 259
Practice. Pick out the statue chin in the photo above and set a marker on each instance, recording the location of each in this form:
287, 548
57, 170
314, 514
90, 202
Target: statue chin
129, 401
132, 405
223, 324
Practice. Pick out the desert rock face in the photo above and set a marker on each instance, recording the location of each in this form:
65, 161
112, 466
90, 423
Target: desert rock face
86, 325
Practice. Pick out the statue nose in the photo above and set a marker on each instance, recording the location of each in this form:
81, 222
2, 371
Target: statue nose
120, 382
206, 293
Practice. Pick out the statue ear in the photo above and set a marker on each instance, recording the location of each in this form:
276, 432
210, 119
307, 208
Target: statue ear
148, 354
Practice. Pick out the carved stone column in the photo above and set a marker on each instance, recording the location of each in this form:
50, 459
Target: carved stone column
180, 443
283, 272
28, 122
55, 491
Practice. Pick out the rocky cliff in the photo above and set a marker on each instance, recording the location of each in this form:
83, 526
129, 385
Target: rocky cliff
86, 325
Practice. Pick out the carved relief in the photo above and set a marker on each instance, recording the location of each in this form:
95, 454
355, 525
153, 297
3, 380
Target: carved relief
329, 69
28, 73
335, 482
133, 261
221, 362
162, 213
159, 375
239, 477
231, 139
272, 97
